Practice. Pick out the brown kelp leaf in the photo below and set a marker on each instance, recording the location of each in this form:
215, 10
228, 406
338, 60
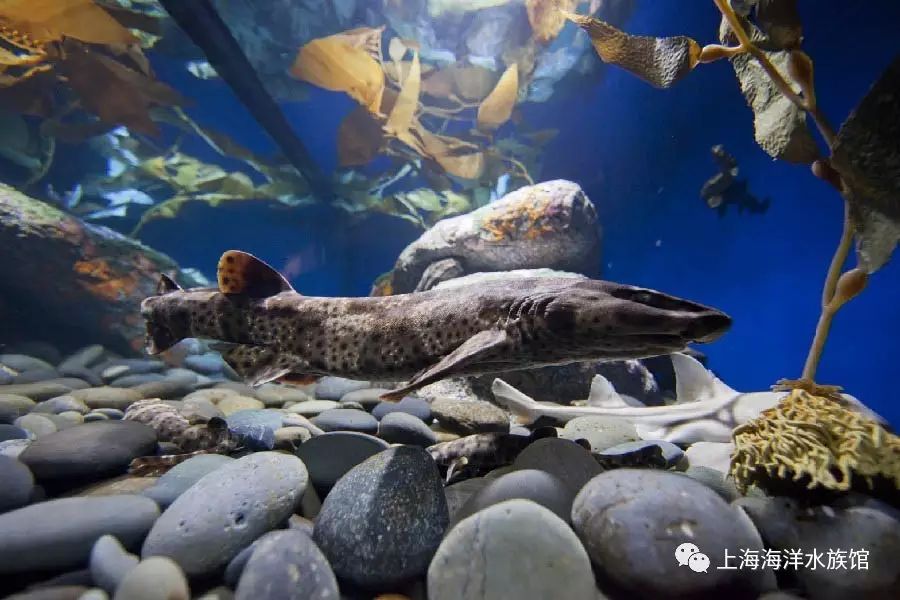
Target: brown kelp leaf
51, 20
469, 84
112, 91
335, 65
30, 93
546, 17
360, 138
401, 116
458, 158
133, 19
779, 126
867, 155
659, 61
497, 107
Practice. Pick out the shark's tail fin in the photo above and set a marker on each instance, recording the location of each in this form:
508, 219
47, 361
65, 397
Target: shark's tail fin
525, 409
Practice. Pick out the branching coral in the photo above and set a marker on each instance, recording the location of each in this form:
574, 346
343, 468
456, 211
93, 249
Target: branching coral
815, 442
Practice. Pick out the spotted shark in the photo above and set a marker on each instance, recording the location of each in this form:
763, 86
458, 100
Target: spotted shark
267, 331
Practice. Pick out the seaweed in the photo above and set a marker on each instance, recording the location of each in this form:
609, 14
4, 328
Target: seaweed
776, 77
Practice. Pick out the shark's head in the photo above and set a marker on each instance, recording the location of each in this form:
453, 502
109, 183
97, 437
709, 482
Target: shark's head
171, 314
631, 321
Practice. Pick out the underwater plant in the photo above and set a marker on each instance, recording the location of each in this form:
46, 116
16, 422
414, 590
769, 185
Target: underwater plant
776, 77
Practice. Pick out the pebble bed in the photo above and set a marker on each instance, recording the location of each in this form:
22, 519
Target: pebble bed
334, 495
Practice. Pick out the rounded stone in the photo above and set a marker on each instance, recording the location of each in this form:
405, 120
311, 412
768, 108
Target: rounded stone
311, 408
404, 428
287, 565
35, 375
36, 391
515, 549
83, 373
23, 362
155, 578
211, 395
107, 397
12, 406
459, 493
368, 397
226, 510
112, 413
89, 451
181, 477
528, 484
12, 432
171, 387
38, 425
632, 520
59, 534
64, 420
409, 404
290, 438
95, 416
277, 395
382, 522
210, 363
642, 453
130, 381
16, 484
131, 366
334, 388
346, 419
466, 418
110, 562
83, 357
329, 456
233, 403
569, 462
601, 432
60, 404
13, 448
716, 481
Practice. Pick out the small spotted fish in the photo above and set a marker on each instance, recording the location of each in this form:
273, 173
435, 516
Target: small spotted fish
193, 438
473, 454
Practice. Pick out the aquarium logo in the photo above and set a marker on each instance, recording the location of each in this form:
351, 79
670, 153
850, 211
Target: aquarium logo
689, 554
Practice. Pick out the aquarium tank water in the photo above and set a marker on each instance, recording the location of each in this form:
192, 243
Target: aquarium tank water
449, 299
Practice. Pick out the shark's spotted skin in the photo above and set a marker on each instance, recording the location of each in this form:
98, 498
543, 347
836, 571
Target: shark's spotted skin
270, 331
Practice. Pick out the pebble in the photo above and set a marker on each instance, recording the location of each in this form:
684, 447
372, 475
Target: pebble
292, 420
466, 418
404, 428
714, 480
255, 428
12, 432
601, 432
334, 388
37, 425
95, 416
311, 408
182, 476
6, 377
54, 592
713, 455
128, 381
90, 451
131, 366
226, 510
82, 358
290, 438
110, 563
628, 513
277, 395
107, 397
23, 362
515, 549
569, 462
113, 413
211, 395
409, 404
60, 404
173, 386
382, 522
873, 526
642, 453
346, 419
233, 403
368, 397
239, 387
36, 391
72, 383
11, 404
155, 578
64, 420
17, 484
59, 534
529, 484
83, 373
94, 594
287, 565
36, 375
459, 493
330, 455
210, 363
13, 448
235, 567
355, 405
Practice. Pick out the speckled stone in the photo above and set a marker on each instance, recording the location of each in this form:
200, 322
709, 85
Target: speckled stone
346, 419
226, 510
16, 484
59, 534
514, 549
287, 565
466, 418
382, 522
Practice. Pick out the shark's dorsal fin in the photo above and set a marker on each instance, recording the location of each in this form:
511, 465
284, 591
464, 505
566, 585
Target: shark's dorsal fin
694, 382
242, 273
166, 284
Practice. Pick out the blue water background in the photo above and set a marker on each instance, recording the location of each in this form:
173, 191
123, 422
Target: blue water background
642, 155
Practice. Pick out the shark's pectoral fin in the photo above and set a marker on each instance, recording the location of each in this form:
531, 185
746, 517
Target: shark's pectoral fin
257, 365
477, 348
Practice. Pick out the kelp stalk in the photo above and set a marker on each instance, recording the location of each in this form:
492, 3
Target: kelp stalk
200, 20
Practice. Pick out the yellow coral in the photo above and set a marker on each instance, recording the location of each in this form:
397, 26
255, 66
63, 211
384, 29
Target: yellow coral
813, 440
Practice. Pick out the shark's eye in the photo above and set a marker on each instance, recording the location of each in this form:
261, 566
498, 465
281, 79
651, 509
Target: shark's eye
643, 298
